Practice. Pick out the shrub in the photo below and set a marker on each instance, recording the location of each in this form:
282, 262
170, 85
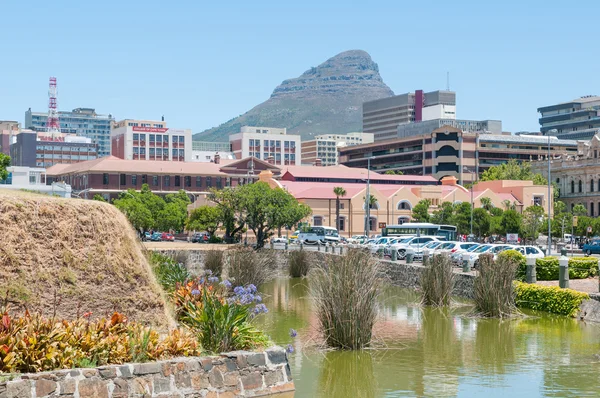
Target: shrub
520, 259
215, 239
298, 262
549, 298
213, 261
494, 294
221, 319
168, 272
32, 343
547, 268
246, 266
345, 292
437, 281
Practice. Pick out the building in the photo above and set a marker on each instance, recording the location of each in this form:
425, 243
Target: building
33, 179
577, 175
325, 147
40, 149
576, 120
84, 122
449, 151
381, 117
204, 151
470, 126
265, 143
150, 140
8, 129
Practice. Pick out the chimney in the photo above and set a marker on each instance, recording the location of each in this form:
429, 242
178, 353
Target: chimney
271, 160
318, 163
217, 158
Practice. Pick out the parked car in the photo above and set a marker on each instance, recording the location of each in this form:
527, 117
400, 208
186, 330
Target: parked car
413, 242
167, 237
531, 251
379, 244
593, 247
453, 247
294, 236
147, 236
200, 237
279, 240
492, 249
457, 257
431, 246
357, 239
156, 237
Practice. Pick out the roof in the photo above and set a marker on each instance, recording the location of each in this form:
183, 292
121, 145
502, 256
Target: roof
304, 190
522, 139
341, 171
113, 164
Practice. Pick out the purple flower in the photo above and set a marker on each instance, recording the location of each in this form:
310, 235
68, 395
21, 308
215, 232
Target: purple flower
260, 308
251, 288
226, 283
208, 272
201, 281
239, 290
289, 349
257, 298
213, 279
195, 292
293, 333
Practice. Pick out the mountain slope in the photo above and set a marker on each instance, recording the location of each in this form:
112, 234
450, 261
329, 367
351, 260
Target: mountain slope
324, 99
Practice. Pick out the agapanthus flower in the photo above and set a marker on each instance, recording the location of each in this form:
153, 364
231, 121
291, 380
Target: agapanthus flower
208, 272
289, 349
201, 281
293, 333
251, 288
195, 292
226, 283
213, 279
257, 298
260, 308
239, 290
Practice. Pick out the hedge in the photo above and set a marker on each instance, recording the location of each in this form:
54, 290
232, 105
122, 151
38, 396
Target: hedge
549, 298
547, 268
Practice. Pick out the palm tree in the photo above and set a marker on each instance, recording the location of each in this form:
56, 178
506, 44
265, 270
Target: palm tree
338, 191
486, 203
372, 201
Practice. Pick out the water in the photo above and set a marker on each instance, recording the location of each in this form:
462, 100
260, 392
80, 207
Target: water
440, 353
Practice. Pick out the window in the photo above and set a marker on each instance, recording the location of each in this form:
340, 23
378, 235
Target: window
580, 186
591, 185
187, 181
136, 137
123, 179
152, 138
199, 182
181, 139
572, 186
177, 181
219, 183
591, 210
341, 206
317, 221
373, 224
144, 178
105, 178
342, 223
208, 182
537, 200
32, 178
167, 181
159, 138
134, 180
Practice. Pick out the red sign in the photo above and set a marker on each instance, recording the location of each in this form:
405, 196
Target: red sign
150, 129
382, 225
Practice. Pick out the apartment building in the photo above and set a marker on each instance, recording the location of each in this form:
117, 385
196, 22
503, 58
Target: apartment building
323, 149
267, 143
577, 120
41, 149
8, 129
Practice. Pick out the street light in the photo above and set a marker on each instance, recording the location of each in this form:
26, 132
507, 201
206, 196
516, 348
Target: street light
472, 203
368, 197
393, 222
553, 131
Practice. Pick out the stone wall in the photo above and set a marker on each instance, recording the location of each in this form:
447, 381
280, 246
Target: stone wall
234, 374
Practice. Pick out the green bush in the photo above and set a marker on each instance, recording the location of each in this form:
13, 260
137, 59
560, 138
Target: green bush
169, 272
520, 259
549, 298
547, 268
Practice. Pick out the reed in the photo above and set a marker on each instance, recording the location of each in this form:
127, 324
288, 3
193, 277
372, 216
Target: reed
298, 263
437, 281
494, 292
213, 261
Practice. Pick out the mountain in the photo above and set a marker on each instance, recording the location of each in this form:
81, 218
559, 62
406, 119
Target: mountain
324, 99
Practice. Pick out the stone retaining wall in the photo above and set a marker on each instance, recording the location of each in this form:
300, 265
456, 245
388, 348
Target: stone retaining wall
234, 374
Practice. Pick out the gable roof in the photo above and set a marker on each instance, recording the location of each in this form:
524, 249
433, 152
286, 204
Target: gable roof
341, 171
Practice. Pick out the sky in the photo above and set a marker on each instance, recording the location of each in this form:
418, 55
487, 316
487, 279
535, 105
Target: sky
200, 64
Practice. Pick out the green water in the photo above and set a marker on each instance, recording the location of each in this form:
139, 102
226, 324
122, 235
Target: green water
438, 353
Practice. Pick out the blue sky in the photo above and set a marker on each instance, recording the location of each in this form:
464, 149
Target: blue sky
202, 64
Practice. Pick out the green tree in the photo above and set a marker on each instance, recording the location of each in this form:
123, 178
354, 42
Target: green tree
205, 218
462, 217
372, 201
579, 210
99, 198
420, 212
562, 220
514, 170
229, 203
444, 215
533, 217
510, 222
175, 208
338, 192
481, 222
508, 205
394, 172
486, 203
4, 164
136, 212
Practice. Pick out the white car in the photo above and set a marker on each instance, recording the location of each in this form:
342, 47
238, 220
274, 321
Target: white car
431, 246
357, 239
453, 247
457, 257
530, 251
380, 244
414, 242
493, 249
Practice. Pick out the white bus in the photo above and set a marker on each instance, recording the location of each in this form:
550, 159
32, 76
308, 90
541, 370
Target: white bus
314, 235
417, 229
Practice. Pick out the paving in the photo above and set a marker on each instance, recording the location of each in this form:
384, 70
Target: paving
589, 285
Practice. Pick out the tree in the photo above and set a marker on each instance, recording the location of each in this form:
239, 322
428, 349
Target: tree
462, 217
136, 212
481, 222
562, 220
579, 210
533, 217
99, 198
372, 201
4, 164
444, 215
338, 191
205, 218
510, 222
229, 203
394, 172
176, 210
267, 209
421, 210
514, 170
508, 205
486, 203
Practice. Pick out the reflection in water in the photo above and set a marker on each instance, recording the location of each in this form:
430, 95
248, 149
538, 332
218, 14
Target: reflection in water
437, 352
347, 374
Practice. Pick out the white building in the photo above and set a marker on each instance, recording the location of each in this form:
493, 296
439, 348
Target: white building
150, 140
33, 179
205, 151
325, 147
267, 143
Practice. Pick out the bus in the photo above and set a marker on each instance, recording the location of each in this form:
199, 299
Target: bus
421, 228
314, 235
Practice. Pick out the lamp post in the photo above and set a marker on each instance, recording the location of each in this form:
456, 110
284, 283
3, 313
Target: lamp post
553, 131
472, 202
368, 198
393, 222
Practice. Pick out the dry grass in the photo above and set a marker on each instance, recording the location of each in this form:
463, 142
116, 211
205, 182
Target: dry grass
77, 256
437, 281
494, 292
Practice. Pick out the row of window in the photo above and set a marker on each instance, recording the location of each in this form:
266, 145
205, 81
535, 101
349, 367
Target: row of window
158, 152
64, 148
272, 143
159, 138
133, 124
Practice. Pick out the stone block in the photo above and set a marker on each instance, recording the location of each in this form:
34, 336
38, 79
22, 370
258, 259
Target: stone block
74, 373
93, 388
273, 377
183, 380
252, 381
161, 384
44, 387
288, 372
228, 394
120, 387
231, 379
230, 365
276, 356
167, 369
207, 364
242, 361
215, 377
19, 389
147, 368
140, 386
199, 380
125, 371
67, 387
109, 372
257, 359
192, 365
287, 387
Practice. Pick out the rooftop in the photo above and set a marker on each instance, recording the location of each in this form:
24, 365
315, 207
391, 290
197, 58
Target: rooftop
525, 139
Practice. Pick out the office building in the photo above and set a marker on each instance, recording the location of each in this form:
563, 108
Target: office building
84, 122
323, 149
449, 151
381, 117
471, 126
40, 149
576, 120
267, 143
150, 140
8, 129
204, 151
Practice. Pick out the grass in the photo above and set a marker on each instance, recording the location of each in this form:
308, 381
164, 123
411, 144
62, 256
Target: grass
494, 292
298, 263
345, 293
246, 266
213, 261
437, 281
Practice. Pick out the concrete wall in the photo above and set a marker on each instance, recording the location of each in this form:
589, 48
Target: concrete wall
234, 374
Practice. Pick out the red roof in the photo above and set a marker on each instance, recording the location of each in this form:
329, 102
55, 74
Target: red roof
341, 171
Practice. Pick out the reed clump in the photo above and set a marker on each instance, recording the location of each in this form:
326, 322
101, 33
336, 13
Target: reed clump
437, 281
494, 292
213, 261
298, 263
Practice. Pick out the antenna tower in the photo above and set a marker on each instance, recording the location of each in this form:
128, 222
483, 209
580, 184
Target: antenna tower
53, 125
447, 81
